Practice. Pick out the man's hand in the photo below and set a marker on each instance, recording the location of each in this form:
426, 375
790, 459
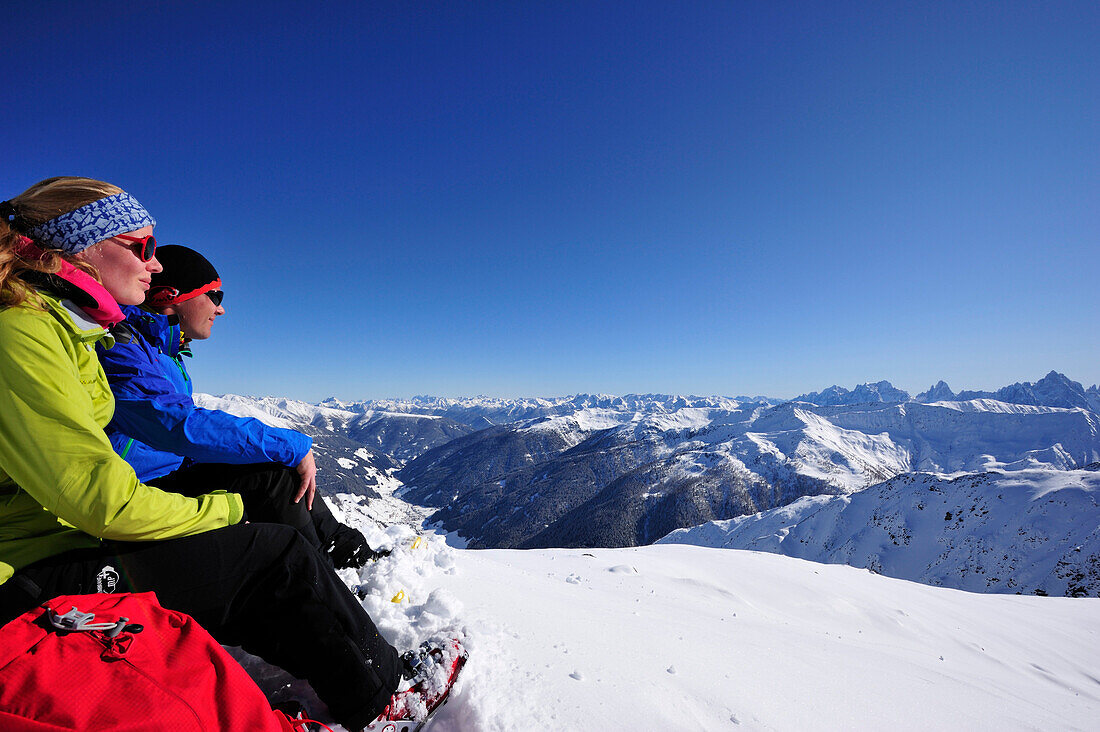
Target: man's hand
308, 470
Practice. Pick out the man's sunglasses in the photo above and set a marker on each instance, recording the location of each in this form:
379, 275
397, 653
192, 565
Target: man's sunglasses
148, 248
215, 297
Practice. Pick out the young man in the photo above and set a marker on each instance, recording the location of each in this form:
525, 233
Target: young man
179, 447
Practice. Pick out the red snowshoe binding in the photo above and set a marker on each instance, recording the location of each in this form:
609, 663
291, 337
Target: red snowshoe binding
431, 672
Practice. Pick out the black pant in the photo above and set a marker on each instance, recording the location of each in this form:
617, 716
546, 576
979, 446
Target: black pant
268, 491
260, 586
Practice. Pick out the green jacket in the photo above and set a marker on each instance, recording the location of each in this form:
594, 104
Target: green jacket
62, 486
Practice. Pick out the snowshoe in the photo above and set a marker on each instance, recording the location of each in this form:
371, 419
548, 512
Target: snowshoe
431, 672
348, 549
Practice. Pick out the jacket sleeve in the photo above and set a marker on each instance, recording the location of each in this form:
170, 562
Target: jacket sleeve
149, 408
55, 451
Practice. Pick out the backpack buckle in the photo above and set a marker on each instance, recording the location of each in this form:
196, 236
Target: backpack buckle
74, 620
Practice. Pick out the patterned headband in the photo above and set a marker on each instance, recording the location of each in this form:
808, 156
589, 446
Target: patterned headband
77, 230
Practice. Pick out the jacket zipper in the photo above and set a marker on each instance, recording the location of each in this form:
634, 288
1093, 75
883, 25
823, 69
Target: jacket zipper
153, 682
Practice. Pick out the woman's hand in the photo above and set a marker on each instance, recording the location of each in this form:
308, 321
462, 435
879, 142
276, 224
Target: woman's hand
308, 470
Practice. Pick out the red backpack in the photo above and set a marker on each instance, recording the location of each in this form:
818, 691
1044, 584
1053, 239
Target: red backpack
133, 665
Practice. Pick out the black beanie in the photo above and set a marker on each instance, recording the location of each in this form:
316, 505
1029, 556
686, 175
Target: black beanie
186, 274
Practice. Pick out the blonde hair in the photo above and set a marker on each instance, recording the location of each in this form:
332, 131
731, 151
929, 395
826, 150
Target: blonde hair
38, 204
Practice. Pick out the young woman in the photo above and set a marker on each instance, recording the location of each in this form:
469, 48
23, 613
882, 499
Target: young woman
74, 518
177, 446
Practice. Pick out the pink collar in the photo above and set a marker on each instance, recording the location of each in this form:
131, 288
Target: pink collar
97, 303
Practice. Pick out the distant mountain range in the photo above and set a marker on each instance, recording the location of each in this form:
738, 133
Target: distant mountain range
1053, 390
482, 412
599, 470
559, 482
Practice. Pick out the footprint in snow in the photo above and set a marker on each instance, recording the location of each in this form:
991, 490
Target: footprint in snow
576, 676
671, 670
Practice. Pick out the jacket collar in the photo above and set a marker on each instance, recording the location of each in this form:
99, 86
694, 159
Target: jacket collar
73, 317
72, 284
161, 331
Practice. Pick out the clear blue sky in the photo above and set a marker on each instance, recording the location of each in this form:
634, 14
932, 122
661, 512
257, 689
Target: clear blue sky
545, 198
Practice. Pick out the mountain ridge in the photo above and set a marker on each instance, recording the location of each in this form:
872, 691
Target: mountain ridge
1028, 531
602, 470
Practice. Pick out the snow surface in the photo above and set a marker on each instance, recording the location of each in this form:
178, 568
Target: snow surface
693, 637
685, 637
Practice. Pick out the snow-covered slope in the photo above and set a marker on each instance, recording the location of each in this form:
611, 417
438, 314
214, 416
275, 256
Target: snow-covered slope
862, 444
630, 483
1024, 531
278, 412
683, 637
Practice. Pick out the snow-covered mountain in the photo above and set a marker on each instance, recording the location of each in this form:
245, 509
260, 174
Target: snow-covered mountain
1053, 390
400, 434
941, 392
580, 482
345, 464
480, 412
883, 391
1025, 531
598, 470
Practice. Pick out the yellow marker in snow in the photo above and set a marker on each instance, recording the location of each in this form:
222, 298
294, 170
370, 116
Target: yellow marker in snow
399, 597
417, 542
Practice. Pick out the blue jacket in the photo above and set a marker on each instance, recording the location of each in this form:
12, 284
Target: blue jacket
156, 424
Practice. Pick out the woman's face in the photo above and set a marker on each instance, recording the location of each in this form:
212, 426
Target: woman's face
120, 267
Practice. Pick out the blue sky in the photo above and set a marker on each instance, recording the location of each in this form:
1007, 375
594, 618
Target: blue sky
546, 198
